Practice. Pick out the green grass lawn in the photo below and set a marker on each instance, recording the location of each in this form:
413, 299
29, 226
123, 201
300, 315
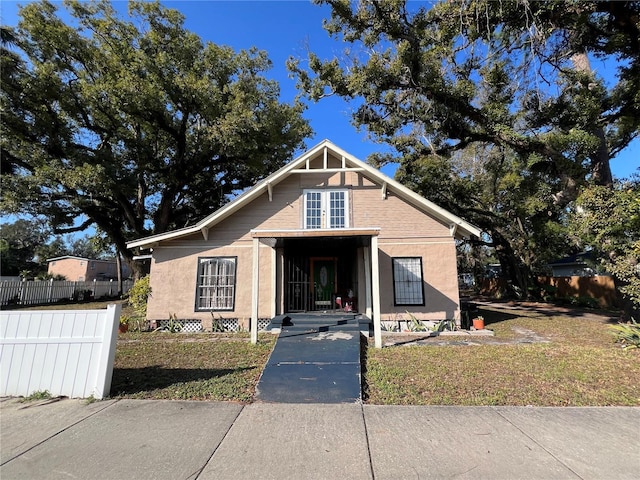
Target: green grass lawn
580, 365
203, 366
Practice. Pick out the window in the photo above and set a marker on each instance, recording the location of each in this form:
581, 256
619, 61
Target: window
326, 209
407, 281
216, 283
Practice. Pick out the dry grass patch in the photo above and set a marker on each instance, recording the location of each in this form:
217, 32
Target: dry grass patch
580, 366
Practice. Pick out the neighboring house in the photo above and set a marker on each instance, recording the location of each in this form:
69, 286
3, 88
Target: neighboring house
78, 269
574, 266
325, 231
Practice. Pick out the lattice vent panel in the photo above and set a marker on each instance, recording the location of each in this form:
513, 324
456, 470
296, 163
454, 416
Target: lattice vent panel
188, 326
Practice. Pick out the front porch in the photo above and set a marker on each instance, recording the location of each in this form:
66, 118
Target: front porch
319, 270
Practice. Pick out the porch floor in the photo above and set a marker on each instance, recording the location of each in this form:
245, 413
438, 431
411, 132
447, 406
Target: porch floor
316, 359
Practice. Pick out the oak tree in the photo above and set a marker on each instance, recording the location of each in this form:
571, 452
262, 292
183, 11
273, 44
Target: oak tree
492, 109
133, 124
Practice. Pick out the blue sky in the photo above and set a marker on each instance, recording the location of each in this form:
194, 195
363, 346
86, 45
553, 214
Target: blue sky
291, 28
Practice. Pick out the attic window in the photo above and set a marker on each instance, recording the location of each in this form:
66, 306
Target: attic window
326, 209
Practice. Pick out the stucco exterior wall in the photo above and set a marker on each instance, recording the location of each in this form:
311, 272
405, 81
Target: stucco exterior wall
174, 272
85, 269
73, 269
440, 279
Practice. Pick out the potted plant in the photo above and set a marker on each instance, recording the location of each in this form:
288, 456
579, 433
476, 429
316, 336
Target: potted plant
124, 324
478, 323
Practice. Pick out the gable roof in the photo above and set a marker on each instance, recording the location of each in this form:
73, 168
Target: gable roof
576, 259
458, 226
73, 257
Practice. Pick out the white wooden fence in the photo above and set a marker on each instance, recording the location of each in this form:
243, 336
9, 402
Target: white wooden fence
65, 352
50, 291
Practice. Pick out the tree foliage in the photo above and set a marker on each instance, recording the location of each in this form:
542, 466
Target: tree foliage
26, 245
22, 247
133, 123
608, 222
492, 108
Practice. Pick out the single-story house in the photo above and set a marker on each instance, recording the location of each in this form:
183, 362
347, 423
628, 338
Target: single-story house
326, 231
80, 269
577, 265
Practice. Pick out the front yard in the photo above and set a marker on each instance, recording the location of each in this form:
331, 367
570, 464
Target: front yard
570, 361
533, 359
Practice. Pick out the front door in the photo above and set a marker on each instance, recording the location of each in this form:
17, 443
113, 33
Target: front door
324, 282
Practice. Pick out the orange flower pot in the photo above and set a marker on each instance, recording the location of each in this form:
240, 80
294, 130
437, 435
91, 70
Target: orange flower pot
478, 323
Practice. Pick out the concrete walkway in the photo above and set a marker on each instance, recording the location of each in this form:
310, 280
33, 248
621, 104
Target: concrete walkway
316, 359
144, 439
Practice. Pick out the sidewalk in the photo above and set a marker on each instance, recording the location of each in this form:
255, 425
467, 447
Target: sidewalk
142, 439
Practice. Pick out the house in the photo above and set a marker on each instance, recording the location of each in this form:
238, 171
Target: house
326, 231
577, 265
79, 269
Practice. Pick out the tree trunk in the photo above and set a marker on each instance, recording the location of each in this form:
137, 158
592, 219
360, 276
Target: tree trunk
119, 267
517, 275
600, 167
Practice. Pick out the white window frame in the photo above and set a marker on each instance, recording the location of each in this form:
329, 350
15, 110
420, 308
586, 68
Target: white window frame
216, 292
325, 207
408, 281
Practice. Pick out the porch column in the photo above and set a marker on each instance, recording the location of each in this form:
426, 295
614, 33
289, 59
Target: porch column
367, 282
254, 291
375, 292
274, 281
280, 276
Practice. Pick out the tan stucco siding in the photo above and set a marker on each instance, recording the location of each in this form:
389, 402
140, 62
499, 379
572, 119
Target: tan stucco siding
73, 269
396, 218
440, 280
281, 212
284, 211
174, 276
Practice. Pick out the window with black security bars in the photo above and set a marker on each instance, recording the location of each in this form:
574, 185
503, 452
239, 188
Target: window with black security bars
407, 281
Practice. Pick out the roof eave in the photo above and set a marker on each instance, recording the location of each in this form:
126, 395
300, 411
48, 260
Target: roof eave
463, 228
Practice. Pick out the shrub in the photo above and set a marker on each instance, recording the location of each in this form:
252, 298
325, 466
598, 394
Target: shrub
628, 334
138, 296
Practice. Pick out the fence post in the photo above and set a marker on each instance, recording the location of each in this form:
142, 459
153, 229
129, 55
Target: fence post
108, 354
50, 295
22, 292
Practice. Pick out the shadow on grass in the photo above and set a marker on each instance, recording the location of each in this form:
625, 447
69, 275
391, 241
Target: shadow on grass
129, 381
364, 385
493, 316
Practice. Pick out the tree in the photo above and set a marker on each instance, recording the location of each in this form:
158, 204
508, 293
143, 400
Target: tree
506, 84
21, 247
134, 124
608, 222
89, 247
